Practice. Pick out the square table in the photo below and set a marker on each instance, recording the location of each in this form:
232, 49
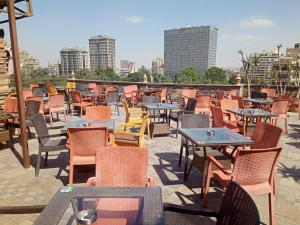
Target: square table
81, 122
203, 137
56, 210
259, 101
251, 113
160, 128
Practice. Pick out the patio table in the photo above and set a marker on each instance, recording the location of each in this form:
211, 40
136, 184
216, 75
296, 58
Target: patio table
211, 137
150, 91
259, 101
59, 209
88, 94
160, 127
81, 122
258, 114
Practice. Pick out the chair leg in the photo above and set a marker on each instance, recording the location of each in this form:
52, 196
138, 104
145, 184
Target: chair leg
72, 110
286, 125
271, 209
118, 110
65, 116
177, 129
38, 164
180, 154
206, 189
71, 174
46, 159
51, 118
81, 109
28, 129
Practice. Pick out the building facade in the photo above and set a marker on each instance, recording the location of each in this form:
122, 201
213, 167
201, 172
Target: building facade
157, 66
265, 65
54, 69
102, 52
186, 47
127, 67
28, 63
73, 60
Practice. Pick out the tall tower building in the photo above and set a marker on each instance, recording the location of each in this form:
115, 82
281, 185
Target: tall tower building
194, 47
102, 52
73, 60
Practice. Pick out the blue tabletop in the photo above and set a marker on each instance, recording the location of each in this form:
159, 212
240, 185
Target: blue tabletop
160, 106
81, 122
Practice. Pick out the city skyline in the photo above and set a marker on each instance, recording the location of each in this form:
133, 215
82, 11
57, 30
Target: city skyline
250, 26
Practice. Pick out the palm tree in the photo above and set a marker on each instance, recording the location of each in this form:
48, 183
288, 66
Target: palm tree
279, 46
250, 64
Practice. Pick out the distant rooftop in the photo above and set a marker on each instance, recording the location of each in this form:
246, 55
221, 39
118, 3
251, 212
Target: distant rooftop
194, 26
73, 49
102, 37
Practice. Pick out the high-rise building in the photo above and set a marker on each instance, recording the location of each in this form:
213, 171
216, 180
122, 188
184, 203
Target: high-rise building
102, 52
73, 60
127, 67
28, 63
267, 58
53, 69
294, 52
194, 47
157, 66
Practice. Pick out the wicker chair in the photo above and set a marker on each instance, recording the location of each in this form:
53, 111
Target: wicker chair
226, 104
83, 143
121, 167
51, 89
254, 170
218, 120
188, 93
240, 100
78, 101
56, 104
97, 113
189, 109
38, 91
245, 214
203, 104
280, 109
131, 93
43, 107
45, 143
192, 121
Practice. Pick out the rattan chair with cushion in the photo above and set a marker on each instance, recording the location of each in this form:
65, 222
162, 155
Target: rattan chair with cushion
189, 109
46, 141
254, 170
237, 208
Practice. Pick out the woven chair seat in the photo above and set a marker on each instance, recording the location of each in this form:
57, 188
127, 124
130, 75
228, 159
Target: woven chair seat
56, 144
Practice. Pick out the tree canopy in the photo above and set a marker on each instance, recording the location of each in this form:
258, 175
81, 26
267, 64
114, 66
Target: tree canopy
188, 76
214, 75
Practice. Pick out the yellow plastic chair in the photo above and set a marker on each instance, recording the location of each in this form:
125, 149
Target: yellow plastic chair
135, 116
51, 89
71, 86
130, 134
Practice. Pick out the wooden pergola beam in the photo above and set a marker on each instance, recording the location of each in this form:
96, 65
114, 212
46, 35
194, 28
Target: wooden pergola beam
18, 78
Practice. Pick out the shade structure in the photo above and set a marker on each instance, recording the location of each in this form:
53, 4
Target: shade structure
14, 12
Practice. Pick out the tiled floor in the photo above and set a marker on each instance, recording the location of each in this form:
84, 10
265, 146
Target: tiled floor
18, 186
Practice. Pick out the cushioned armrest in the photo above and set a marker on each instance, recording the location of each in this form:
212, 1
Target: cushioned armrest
188, 209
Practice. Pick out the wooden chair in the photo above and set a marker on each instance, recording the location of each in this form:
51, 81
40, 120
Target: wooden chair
27, 94
130, 134
83, 143
241, 103
254, 170
51, 89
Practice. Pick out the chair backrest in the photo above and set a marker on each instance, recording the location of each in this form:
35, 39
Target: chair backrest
237, 207
11, 105
112, 97
269, 91
265, 136
283, 97
38, 91
85, 140
220, 95
239, 99
195, 121
280, 106
191, 105
32, 107
31, 86
40, 126
110, 88
76, 96
98, 113
81, 86
129, 89
217, 116
203, 101
258, 95
56, 101
51, 89
126, 109
188, 93
27, 94
36, 98
229, 104
121, 166
163, 93
255, 166
151, 99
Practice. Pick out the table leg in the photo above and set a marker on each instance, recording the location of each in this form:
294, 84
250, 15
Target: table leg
186, 159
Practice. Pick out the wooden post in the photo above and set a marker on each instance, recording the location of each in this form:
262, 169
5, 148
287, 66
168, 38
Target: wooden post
18, 77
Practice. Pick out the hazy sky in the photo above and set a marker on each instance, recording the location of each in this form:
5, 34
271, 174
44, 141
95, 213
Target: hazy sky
138, 26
